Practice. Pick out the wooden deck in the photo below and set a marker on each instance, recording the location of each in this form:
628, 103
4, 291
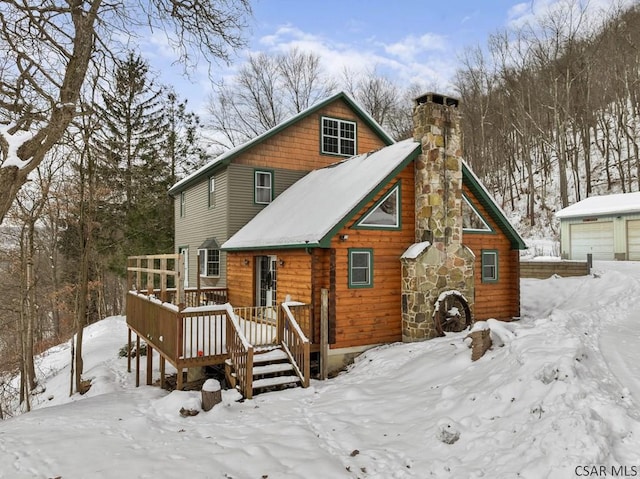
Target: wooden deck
196, 328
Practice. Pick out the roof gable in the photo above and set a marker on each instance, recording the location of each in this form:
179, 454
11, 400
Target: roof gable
316, 207
224, 159
482, 195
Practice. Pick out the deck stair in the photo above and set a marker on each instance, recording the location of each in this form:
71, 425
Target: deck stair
272, 370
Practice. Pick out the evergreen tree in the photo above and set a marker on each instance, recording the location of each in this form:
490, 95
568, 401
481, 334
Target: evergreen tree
183, 150
136, 214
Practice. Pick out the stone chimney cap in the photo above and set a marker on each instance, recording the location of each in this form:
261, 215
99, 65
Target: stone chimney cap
432, 97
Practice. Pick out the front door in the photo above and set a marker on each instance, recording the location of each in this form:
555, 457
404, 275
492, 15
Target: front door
266, 278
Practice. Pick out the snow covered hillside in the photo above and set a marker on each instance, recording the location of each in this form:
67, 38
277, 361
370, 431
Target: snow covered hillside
558, 395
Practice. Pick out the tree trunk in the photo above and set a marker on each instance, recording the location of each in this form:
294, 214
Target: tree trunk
11, 180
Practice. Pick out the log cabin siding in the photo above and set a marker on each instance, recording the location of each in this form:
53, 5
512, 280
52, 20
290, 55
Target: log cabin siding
499, 300
297, 147
293, 277
367, 316
200, 222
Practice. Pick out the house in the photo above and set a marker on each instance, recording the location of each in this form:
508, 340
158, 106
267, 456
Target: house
323, 238
399, 237
214, 202
607, 227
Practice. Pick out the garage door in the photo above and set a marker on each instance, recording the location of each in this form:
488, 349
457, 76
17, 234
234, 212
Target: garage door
594, 238
633, 240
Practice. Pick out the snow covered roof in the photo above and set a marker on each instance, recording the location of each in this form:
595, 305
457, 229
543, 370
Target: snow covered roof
603, 205
314, 208
228, 156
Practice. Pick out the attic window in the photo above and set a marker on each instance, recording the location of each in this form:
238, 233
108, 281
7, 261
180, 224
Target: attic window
472, 221
338, 137
385, 214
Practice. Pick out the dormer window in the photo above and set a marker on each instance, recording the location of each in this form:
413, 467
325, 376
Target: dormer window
338, 137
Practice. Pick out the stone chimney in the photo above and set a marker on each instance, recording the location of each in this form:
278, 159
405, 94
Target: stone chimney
438, 172
438, 262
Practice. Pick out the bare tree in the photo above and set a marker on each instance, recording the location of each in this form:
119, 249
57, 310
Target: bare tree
267, 90
375, 92
49, 45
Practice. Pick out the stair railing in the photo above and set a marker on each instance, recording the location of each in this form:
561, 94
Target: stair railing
240, 353
294, 343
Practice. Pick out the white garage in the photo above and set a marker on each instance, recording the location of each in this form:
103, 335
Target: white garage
594, 238
607, 227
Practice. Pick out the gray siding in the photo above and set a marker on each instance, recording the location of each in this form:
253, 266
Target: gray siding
241, 194
234, 207
201, 222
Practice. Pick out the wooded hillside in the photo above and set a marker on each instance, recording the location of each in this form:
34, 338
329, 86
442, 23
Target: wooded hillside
552, 111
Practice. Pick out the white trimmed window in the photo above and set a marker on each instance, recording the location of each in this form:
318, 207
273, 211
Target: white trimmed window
212, 192
338, 137
183, 204
263, 182
209, 262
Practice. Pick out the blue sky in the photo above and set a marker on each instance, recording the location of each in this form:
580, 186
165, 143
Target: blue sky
411, 41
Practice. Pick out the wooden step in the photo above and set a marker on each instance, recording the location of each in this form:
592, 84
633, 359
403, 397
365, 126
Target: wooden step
275, 381
272, 368
273, 355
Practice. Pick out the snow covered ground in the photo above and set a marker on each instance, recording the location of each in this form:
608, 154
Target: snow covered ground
558, 396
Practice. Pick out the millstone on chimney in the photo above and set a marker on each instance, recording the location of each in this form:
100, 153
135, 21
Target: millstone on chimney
438, 263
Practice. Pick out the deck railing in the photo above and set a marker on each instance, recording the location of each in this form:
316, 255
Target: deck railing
203, 331
241, 356
156, 322
258, 324
293, 340
205, 296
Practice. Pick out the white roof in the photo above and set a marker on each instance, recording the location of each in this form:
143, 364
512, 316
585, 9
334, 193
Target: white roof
603, 205
307, 211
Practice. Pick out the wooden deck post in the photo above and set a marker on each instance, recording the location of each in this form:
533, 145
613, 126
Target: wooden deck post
279, 325
324, 334
149, 365
179, 379
249, 372
162, 371
128, 350
137, 360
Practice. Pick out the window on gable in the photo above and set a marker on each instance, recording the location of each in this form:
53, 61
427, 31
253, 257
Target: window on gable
209, 262
338, 137
183, 204
471, 219
489, 266
212, 192
360, 268
385, 213
263, 181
